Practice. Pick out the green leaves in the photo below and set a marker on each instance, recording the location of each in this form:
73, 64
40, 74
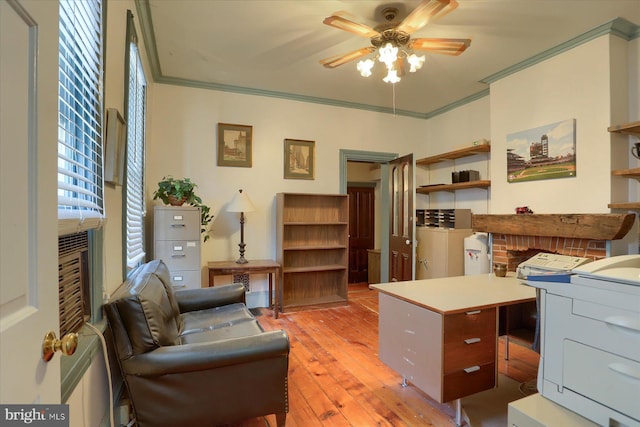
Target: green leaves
183, 191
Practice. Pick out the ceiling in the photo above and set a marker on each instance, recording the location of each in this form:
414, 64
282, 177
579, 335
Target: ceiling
273, 47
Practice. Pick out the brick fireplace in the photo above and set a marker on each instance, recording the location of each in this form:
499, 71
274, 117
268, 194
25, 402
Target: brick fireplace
519, 237
512, 249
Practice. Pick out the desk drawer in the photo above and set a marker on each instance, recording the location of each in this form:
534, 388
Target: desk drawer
463, 383
604, 377
472, 351
472, 324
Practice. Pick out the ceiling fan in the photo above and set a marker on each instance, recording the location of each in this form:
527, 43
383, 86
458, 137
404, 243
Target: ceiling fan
391, 38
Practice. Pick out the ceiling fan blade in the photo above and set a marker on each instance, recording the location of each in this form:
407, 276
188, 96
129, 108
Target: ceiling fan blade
445, 46
343, 21
426, 11
336, 61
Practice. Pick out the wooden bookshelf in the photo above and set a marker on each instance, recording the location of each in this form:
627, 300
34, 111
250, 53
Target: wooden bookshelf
312, 247
632, 128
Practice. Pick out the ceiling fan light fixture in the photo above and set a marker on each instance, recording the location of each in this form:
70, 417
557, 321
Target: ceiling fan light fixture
365, 66
392, 76
388, 54
415, 62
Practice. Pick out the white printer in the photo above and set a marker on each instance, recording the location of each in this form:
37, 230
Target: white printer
590, 339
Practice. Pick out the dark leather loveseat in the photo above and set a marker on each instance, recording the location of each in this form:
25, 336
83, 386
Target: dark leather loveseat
195, 357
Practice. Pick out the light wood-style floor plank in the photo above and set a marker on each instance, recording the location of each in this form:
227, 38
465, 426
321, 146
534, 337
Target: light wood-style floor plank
336, 378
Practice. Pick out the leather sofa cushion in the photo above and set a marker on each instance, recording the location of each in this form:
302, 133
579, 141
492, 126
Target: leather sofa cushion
214, 318
145, 312
161, 270
238, 330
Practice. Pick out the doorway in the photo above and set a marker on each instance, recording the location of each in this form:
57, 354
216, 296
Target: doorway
362, 218
382, 199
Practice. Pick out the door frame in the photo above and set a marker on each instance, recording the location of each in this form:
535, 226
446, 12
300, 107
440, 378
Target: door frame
382, 159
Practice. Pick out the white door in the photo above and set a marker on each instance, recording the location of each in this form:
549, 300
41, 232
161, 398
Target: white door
28, 200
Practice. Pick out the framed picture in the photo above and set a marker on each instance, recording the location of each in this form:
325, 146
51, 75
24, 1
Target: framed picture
114, 148
234, 145
545, 152
299, 159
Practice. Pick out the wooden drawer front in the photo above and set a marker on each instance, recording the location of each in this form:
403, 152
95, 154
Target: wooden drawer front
179, 255
472, 351
177, 224
472, 324
461, 383
187, 279
604, 377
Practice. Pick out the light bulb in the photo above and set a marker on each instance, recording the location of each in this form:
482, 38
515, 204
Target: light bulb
392, 76
415, 62
364, 67
388, 55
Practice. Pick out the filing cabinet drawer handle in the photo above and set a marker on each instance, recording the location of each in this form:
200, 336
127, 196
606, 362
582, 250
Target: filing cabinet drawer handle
178, 286
471, 340
177, 225
625, 370
471, 369
473, 312
626, 324
178, 255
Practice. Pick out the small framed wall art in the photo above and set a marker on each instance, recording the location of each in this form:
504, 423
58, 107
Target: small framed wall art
299, 159
114, 148
234, 145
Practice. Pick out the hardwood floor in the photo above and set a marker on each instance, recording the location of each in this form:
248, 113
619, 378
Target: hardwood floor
336, 378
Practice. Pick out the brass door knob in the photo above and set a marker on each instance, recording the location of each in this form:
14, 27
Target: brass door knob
67, 345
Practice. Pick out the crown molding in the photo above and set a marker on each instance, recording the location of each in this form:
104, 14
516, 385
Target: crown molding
619, 27
285, 95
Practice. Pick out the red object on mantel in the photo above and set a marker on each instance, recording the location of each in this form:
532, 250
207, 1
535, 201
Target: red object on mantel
524, 210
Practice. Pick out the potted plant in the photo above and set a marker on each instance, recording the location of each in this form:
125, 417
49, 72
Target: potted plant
176, 192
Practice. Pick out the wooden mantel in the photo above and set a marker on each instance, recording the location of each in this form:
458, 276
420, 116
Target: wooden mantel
579, 226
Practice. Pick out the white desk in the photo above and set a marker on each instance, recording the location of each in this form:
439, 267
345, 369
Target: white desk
442, 334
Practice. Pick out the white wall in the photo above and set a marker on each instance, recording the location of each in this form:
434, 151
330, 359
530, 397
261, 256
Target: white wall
574, 85
454, 130
182, 138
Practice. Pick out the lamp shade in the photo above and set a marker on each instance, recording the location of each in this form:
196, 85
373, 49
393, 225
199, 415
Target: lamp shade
241, 203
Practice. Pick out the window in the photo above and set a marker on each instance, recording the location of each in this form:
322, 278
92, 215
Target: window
133, 228
80, 202
80, 185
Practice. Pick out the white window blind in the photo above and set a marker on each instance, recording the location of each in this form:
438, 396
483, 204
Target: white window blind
80, 184
136, 113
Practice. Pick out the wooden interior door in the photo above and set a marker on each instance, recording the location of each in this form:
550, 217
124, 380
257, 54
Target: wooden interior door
361, 231
402, 227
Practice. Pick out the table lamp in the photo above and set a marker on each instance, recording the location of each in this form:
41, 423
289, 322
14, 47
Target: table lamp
242, 204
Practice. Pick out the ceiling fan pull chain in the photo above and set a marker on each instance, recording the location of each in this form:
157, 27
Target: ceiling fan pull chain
393, 88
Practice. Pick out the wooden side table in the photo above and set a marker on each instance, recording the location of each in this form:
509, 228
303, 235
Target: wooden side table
260, 266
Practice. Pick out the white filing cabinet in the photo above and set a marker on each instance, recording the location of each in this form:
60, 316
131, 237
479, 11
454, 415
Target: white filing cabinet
177, 242
440, 252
